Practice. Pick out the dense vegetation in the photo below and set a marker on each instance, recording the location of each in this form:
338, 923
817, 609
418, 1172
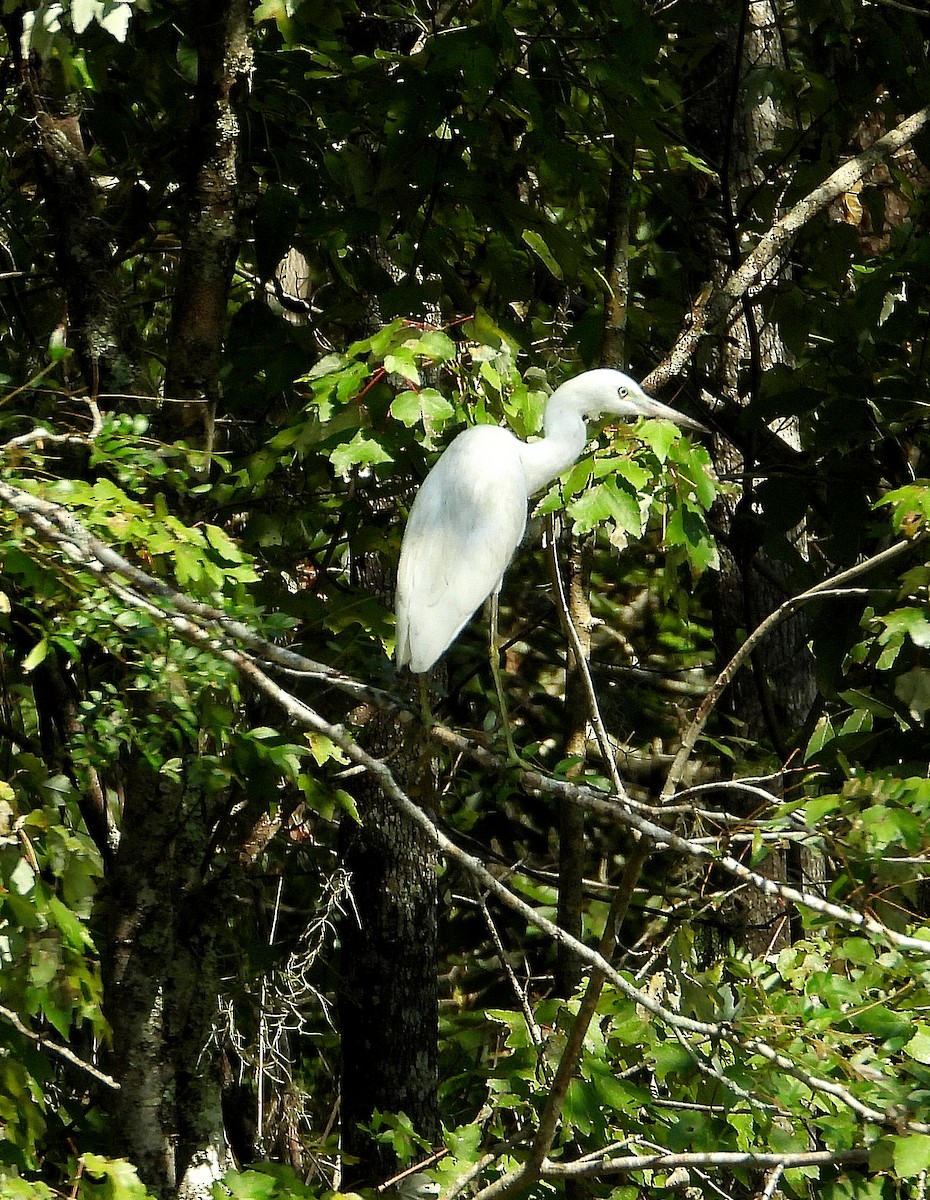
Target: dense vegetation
263, 930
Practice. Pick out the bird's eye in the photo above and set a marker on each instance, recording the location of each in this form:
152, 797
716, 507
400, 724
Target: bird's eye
622, 392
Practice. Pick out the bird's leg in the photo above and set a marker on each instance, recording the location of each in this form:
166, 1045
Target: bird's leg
498, 682
426, 709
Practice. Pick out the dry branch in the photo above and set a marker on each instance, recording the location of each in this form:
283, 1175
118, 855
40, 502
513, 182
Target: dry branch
713, 310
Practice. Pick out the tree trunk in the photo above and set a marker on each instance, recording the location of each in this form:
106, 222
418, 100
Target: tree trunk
388, 998
769, 702
160, 987
211, 230
95, 316
388, 1002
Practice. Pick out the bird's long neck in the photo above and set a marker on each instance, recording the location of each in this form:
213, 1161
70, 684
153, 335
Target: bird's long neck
563, 441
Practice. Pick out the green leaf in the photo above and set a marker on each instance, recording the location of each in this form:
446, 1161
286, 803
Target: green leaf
72, 928
912, 621
436, 345
539, 247
248, 1185
858, 721
616, 1093
606, 501
918, 1047
324, 749
36, 656
823, 734
362, 451
881, 1023
427, 405
123, 1182
434, 405
402, 362
223, 544
633, 472
658, 436
911, 1155
348, 805
672, 1059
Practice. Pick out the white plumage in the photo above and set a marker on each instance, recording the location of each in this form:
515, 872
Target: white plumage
470, 513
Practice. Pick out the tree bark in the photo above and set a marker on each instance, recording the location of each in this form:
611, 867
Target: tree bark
161, 972
388, 1002
211, 232
772, 700
616, 266
389, 988
160, 987
86, 269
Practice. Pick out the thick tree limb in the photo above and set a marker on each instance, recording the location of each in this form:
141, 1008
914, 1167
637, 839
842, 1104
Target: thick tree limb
211, 229
712, 311
721, 1158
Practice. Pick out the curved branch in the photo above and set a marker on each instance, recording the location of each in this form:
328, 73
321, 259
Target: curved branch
212, 630
835, 585
82, 547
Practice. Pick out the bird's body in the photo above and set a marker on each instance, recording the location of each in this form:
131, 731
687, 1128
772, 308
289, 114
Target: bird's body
469, 515
466, 524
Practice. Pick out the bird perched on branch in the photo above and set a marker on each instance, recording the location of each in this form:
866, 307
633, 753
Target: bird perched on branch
469, 515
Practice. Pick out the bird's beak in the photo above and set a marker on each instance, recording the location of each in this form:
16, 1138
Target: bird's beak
656, 410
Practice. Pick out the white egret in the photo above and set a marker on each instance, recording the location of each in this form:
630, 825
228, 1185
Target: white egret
469, 515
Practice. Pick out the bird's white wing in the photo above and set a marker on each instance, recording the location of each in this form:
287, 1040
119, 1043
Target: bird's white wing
465, 524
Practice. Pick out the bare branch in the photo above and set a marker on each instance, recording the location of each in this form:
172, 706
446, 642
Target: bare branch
719, 1158
61, 527
713, 309
209, 628
55, 1048
217, 641
836, 585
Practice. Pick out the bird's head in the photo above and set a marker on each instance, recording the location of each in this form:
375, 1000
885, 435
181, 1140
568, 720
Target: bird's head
605, 392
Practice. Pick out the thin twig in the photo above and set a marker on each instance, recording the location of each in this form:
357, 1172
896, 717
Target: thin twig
66, 532
216, 641
519, 992
772, 1182
63, 1052
583, 668
834, 586
100, 557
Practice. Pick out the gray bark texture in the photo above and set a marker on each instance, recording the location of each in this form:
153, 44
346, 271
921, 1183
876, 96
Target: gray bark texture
771, 700
388, 1003
160, 987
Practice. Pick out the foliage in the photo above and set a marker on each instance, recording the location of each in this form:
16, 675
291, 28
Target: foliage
452, 188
